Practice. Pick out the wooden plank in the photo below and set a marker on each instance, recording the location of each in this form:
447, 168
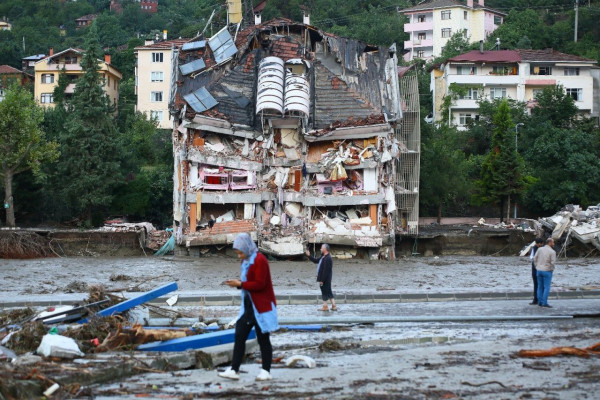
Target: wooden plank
194, 342
192, 218
136, 301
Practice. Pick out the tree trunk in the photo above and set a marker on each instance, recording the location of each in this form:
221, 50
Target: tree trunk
508, 209
439, 215
8, 199
501, 209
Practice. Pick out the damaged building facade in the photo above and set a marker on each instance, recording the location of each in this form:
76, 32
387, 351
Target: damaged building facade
295, 136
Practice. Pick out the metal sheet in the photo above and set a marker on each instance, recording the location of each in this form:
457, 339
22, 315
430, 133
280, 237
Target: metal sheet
195, 341
222, 45
194, 45
136, 301
200, 100
193, 66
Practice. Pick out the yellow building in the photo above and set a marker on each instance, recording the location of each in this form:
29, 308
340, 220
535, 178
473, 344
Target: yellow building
49, 69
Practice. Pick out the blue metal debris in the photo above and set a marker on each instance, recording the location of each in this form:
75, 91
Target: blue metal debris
194, 342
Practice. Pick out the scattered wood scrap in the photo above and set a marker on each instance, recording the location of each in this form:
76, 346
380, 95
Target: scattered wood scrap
562, 351
123, 337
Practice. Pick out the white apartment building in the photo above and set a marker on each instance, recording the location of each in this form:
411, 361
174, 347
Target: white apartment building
516, 74
153, 72
432, 23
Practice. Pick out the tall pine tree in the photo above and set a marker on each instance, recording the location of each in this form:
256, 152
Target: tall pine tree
90, 154
502, 172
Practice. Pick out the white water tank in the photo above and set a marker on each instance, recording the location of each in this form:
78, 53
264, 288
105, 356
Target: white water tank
269, 94
297, 94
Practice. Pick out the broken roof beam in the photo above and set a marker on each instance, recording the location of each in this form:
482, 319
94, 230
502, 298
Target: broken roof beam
194, 342
136, 301
354, 132
223, 161
216, 125
377, 198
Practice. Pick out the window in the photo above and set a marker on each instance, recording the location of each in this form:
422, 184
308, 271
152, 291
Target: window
465, 33
503, 70
576, 94
47, 78
497, 93
47, 98
157, 76
421, 18
421, 53
108, 81
537, 92
541, 70
472, 94
156, 115
156, 96
464, 119
571, 71
497, 20
466, 70
466, 15
1, 94
157, 57
446, 15
446, 32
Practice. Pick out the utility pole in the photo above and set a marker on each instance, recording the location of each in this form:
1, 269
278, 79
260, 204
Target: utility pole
576, 18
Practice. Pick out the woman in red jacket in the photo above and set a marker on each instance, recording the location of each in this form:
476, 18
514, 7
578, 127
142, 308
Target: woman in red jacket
258, 310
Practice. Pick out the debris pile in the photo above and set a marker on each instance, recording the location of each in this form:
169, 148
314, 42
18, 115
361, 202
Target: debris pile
573, 223
23, 245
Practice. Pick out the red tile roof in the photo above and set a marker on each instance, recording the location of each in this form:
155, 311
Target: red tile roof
7, 69
550, 55
499, 56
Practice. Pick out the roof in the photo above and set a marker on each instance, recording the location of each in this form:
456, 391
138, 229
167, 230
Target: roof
499, 56
7, 69
430, 5
336, 101
88, 17
70, 49
550, 55
35, 57
519, 55
165, 44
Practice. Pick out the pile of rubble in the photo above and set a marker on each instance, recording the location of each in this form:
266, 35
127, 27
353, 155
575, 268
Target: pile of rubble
573, 223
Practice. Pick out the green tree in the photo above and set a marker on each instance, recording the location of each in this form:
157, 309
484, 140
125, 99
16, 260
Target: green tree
90, 163
22, 141
567, 163
502, 171
443, 167
556, 107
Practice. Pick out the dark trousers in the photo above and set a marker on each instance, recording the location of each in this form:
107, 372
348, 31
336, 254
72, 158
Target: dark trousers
535, 283
242, 329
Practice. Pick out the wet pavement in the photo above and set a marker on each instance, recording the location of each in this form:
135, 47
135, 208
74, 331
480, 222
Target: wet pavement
437, 359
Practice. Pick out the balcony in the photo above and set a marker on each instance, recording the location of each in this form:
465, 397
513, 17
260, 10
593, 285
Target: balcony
418, 26
418, 43
494, 80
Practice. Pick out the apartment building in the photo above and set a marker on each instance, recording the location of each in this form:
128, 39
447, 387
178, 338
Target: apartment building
516, 74
432, 23
153, 79
297, 137
47, 72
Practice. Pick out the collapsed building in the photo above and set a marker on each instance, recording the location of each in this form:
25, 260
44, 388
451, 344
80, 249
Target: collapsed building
295, 136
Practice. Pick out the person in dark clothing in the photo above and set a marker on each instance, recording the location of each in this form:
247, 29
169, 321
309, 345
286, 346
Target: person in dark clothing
539, 242
258, 310
324, 276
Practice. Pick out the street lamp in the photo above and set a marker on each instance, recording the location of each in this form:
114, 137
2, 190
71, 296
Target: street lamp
517, 150
517, 135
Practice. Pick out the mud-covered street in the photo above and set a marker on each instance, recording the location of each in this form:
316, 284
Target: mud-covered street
466, 349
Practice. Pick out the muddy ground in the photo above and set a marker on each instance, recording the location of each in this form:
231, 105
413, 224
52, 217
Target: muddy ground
430, 360
446, 274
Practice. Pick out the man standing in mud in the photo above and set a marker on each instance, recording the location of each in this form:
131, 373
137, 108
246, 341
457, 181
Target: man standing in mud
539, 242
324, 275
544, 261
